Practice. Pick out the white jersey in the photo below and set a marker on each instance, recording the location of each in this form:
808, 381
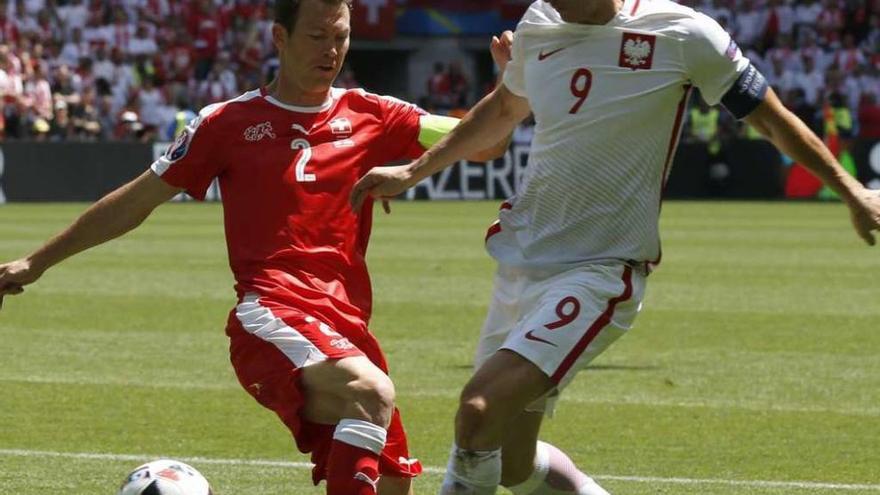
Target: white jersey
608, 101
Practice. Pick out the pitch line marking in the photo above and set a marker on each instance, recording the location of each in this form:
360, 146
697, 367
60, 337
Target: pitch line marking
806, 485
439, 393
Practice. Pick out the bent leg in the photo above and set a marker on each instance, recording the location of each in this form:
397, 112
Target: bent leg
532, 467
497, 394
349, 388
494, 397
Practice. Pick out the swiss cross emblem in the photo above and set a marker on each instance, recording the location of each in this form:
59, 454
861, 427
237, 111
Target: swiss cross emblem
340, 127
637, 51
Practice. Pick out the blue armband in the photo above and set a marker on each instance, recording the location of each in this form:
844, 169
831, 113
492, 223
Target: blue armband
746, 94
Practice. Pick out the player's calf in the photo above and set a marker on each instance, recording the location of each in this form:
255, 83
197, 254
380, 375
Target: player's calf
554, 473
494, 397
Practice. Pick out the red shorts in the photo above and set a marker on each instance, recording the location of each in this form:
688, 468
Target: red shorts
271, 342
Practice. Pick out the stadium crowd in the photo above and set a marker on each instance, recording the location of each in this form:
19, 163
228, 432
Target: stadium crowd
125, 69
821, 56
137, 69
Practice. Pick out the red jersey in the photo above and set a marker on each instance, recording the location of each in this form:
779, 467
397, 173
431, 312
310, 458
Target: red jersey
285, 177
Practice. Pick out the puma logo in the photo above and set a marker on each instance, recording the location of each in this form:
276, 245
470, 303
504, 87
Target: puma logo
366, 479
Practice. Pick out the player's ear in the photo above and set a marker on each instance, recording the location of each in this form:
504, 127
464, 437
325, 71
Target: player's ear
279, 36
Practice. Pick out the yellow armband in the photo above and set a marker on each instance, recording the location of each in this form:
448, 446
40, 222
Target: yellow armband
433, 128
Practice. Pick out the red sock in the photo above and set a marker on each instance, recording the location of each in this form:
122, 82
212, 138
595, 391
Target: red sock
351, 470
354, 469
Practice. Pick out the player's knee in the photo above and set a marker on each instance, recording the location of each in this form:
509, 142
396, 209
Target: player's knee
474, 409
372, 398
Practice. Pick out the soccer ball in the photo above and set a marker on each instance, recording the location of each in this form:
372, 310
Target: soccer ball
165, 477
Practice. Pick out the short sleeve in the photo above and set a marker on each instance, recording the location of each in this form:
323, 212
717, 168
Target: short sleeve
515, 73
713, 59
401, 127
191, 163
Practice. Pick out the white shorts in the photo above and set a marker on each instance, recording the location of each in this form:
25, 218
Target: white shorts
560, 322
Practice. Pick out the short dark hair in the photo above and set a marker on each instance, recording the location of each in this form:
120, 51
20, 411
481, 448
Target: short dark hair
287, 11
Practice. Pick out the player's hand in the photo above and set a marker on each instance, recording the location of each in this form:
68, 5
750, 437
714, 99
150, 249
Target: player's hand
501, 50
14, 276
383, 183
865, 212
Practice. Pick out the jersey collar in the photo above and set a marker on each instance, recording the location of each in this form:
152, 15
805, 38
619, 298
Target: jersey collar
334, 94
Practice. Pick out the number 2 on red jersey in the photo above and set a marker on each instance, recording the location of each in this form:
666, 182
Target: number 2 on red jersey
301, 175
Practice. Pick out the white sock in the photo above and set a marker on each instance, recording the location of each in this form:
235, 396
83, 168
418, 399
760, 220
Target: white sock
472, 472
361, 434
556, 474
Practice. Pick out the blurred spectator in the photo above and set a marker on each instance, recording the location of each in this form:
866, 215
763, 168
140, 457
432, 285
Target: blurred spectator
704, 126
780, 21
811, 80
346, 79
750, 23
143, 43
459, 85
440, 89
73, 16
718, 10
205, 25
869, 117
75, 48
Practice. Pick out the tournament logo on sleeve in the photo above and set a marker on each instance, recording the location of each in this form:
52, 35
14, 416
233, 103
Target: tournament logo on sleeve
180, 146
637, 51
732, 50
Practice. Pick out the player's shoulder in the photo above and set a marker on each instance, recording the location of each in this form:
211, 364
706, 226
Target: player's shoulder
362, 95
230, 110
669, 18
361, 100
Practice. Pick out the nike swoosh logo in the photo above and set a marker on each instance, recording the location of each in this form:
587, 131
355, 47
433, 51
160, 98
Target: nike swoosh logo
544, 56
531, 336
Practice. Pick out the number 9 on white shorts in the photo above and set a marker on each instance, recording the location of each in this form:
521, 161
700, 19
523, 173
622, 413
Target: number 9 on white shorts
560, 322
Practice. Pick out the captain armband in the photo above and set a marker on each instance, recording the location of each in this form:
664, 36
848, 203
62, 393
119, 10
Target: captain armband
747, 93
434, 128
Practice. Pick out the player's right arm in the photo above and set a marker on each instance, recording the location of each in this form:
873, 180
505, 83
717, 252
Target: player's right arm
723, 75
117, 213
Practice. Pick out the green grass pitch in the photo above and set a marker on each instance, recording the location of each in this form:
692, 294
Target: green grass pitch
753, 369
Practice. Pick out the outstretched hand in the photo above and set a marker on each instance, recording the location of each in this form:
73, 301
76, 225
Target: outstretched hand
383, 183
501, 48
14, 276
866, 215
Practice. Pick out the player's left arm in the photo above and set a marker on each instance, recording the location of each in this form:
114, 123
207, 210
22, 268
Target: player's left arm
795, 139
718, 68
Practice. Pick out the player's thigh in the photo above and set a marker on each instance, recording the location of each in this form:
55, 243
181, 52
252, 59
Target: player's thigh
351, 387
502, 387
505, 309
575, 317
292, 361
